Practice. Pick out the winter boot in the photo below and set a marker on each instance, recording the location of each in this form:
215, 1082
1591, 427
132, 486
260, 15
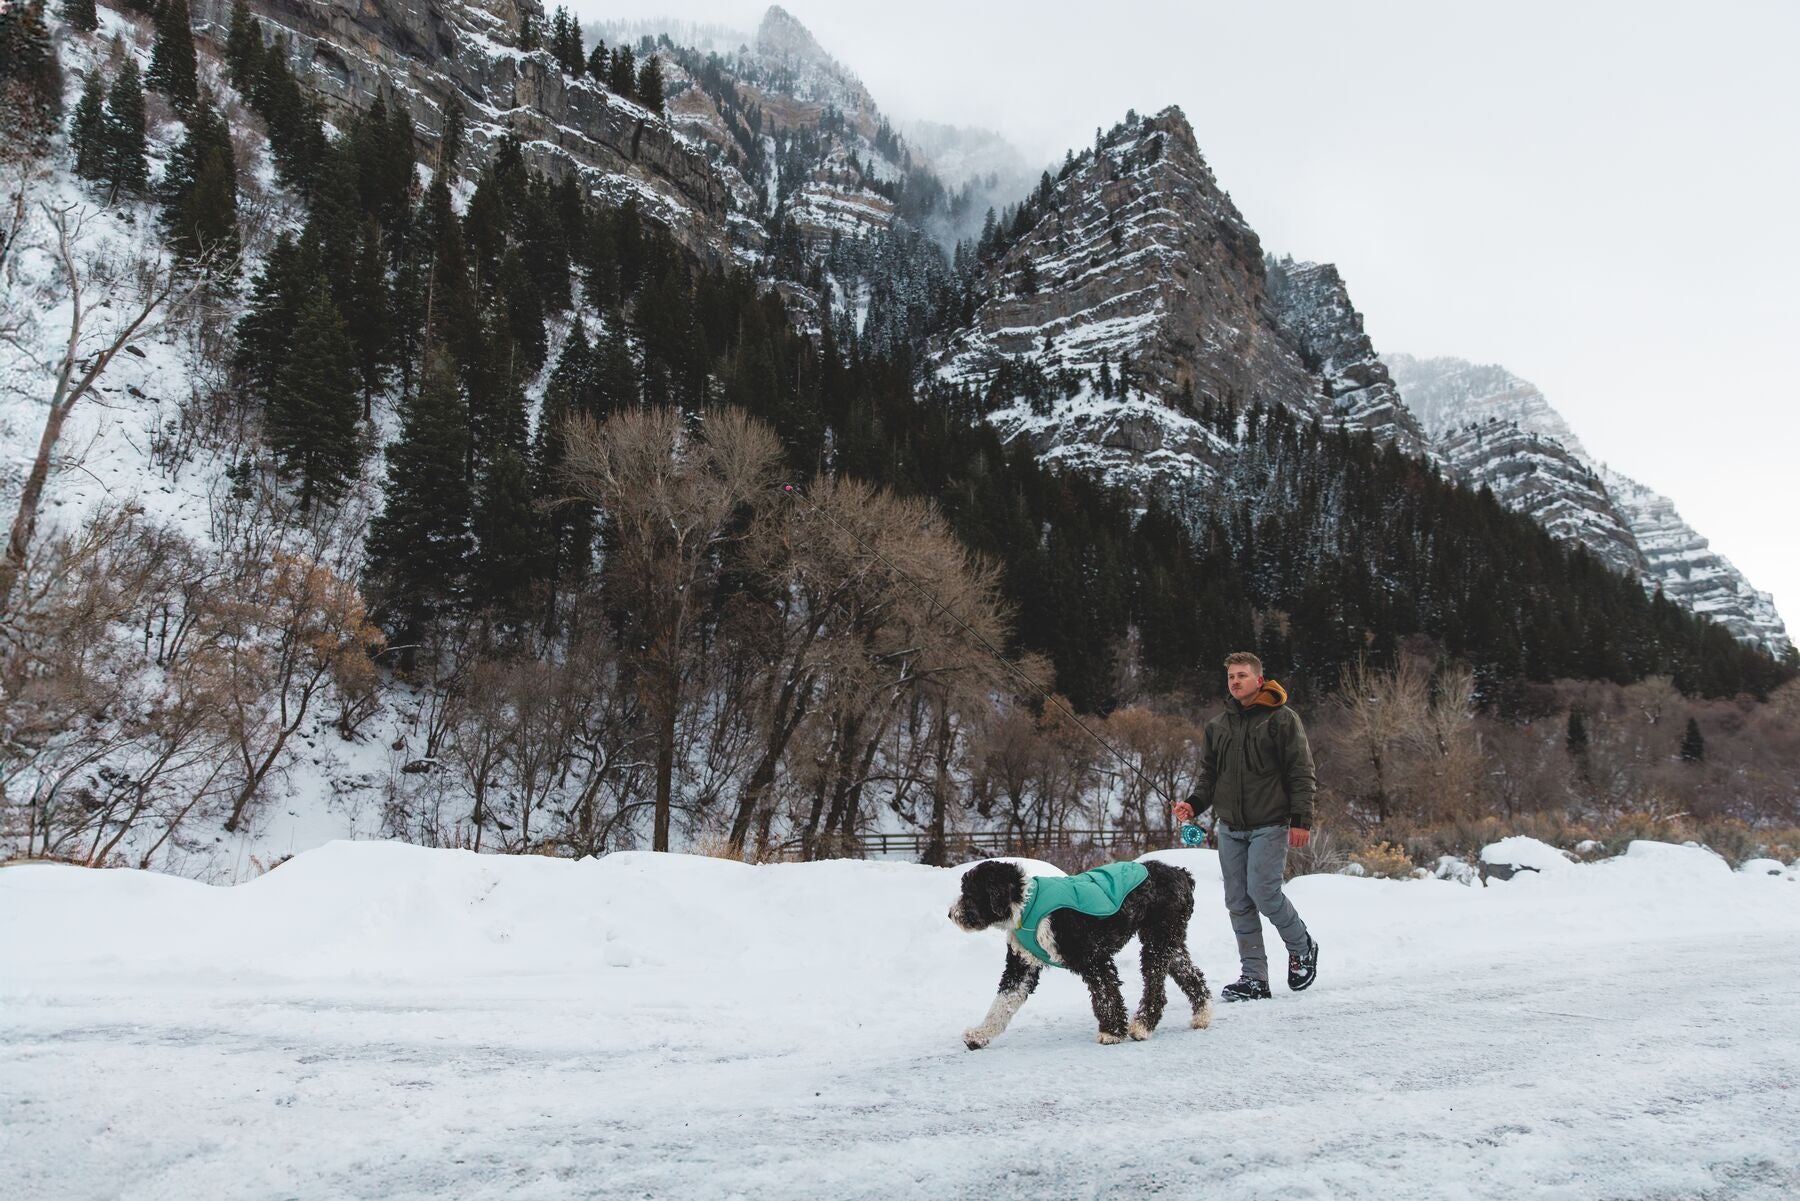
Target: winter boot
1303, 968
1246, 989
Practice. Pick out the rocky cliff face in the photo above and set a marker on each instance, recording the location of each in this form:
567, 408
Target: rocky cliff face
1140, 257
1536, 475
1493, 428
1139, 269
1446, 393
422, 54
1690, 573
1314, 308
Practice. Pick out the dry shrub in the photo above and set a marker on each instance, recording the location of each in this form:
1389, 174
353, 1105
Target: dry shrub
1384, 860
716, 844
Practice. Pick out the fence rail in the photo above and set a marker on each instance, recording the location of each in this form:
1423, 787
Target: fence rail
988, 843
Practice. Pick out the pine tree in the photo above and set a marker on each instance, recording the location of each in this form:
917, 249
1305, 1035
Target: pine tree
597, 64
265, 335
172, 69
508, 538
531, 30
419, 544
125, 170
565, 42
313, 411
87, 136
296, 131
650, 84
199, 189
30, 76
80, 15
559, 35
1576, 736
1693, 746
335, 224
568, 527
451, 145
616, 381
371, 302
381, 145
622, 75
243, 46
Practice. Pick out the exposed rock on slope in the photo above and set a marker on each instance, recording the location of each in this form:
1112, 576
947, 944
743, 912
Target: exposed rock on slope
1536, 475
1140, 269
1314, 306
1141, 258
421, 54
1690, 572
1494, 428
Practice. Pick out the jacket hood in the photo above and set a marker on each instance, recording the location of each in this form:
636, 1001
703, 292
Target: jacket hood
1270, 696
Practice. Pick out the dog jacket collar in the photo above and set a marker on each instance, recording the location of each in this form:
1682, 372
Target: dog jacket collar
1097, 893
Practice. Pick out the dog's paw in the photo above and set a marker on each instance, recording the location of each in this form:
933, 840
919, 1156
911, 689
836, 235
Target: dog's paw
1106, 1040
976, 1039
1139, 1031
1202, 1017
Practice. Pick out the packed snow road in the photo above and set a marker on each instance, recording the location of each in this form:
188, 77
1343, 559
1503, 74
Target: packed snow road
381, 1021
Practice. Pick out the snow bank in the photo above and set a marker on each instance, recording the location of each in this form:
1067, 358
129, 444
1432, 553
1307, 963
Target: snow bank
382, 1020
395, 911
1525, 852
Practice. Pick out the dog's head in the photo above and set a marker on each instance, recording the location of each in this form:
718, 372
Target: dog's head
992, 891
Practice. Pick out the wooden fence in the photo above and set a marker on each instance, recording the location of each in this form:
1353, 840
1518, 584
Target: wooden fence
988, 843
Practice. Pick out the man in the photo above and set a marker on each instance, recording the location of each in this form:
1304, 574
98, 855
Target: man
1256, 775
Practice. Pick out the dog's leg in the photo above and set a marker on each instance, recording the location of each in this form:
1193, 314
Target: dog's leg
1109, 1001
1017, 979
1187, 977
1154, 956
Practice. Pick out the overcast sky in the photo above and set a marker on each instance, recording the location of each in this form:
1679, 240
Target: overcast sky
1600, 197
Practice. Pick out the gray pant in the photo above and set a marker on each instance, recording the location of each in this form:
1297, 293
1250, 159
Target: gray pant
1252, 861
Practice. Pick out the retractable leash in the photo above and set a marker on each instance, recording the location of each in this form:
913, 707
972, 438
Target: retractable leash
1194, 839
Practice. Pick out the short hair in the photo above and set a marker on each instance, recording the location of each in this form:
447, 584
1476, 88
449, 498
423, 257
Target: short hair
1237, 657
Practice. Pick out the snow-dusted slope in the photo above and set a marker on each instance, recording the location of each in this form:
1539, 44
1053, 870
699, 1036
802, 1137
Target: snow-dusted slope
1314, 307
1537, 475
1140, 267
377, 1020
424, 56
1141, 257
1684, 565
1141, 264
1496, 429
1449, 393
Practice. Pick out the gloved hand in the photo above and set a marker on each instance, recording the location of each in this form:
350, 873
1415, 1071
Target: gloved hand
1184, 812
1298, 836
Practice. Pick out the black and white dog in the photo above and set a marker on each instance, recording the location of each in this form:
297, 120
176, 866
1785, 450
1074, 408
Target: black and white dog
1156, 911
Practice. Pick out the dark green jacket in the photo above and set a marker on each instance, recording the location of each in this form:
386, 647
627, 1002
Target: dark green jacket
1256, 767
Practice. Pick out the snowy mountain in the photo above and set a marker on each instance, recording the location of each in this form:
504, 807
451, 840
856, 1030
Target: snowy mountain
1494, 429
1136, 258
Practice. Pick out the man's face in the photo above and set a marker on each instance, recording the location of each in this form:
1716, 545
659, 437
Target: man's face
1242, 681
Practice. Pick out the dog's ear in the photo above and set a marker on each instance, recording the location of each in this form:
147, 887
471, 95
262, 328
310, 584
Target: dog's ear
1003, 888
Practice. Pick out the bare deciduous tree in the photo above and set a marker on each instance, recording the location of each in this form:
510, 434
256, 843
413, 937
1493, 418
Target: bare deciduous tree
135, 300
674, 500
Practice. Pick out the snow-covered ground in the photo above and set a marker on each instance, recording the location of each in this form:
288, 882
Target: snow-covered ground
381, 1020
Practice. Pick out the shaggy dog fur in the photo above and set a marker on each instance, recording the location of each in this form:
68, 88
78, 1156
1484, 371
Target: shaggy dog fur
1156, 911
